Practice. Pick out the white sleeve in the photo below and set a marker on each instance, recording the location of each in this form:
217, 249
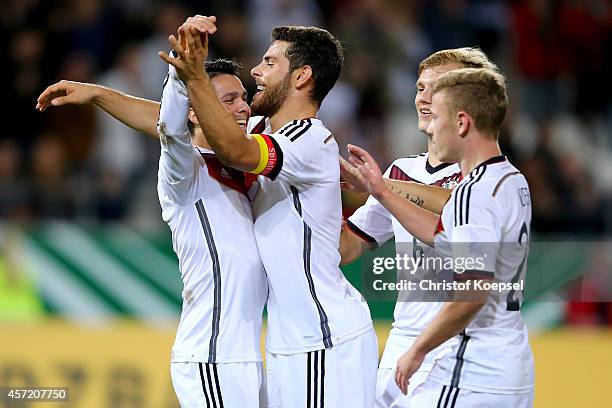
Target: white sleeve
303, 159
177, 162
477, 234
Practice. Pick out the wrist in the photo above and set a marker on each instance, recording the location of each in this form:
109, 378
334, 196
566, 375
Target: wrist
196, 81
98, 93
383, 193
418, 349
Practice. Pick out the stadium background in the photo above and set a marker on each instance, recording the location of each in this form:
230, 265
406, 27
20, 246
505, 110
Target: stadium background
89, 286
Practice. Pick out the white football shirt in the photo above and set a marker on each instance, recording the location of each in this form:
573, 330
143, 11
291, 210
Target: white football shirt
298, 215
488, 216
373, 223
207, 209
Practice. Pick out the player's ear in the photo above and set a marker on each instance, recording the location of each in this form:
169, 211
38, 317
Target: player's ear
464, 121
192, 116
302, 76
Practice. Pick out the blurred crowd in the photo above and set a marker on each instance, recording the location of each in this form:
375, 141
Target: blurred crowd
77, 163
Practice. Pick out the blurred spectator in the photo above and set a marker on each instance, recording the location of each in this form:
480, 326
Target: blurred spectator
538, 56
271, 13
166, 21
14, 191
117, 146
53, 194
554, 52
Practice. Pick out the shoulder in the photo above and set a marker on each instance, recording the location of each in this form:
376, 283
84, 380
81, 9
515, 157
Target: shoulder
404, 168
304, 130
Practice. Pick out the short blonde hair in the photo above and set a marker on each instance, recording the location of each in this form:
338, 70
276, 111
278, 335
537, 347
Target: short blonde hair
467, 57
481, 93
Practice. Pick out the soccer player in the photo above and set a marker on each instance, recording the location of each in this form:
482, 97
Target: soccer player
490, 209
321, 346
372, 225
216, 359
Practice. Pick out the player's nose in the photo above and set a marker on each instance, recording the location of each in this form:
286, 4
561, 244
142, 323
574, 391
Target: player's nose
256, 71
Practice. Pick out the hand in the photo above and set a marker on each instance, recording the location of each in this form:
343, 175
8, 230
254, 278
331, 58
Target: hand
66, 93
407, 365
350, 178
370, 175
192, 50
203, 24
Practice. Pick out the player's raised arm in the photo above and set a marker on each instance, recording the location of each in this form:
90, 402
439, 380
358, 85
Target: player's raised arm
225, 137
431, 198
176, 168
418, 221
137, 113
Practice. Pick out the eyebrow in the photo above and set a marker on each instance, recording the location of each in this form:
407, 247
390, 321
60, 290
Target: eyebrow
268, 58
233, 94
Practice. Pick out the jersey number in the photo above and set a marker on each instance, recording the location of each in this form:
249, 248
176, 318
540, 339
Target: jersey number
417, 250
512, 304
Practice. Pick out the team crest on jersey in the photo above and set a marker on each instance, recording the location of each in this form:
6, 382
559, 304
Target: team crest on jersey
449, 184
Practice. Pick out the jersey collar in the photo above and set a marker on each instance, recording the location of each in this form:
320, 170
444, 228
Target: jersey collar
493, 160
431, 169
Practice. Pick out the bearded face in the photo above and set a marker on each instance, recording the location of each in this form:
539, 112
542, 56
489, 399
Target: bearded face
270, 97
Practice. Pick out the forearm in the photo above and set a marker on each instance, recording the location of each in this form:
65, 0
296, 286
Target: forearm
351, 246
222, 133
432, 198
137, 113
450, 321
418, 221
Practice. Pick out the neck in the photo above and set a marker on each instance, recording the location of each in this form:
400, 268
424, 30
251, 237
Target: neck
481, 149
432, 157
291, 110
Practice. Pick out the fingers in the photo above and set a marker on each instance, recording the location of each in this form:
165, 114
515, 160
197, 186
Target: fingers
401, 381
48, 95
355, 161
175, 62
202, 24
345, 165
189, 40
345, 186
176, 46
361, 153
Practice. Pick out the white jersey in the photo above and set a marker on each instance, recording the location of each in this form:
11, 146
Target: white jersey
298, 217
373, 223
490, 210
209, 214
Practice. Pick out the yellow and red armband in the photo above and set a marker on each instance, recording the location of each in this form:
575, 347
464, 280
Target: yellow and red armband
270, 156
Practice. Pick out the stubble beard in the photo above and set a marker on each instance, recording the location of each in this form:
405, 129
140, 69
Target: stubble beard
272, 99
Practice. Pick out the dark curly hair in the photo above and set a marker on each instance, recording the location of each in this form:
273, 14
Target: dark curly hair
222, 66
315, 47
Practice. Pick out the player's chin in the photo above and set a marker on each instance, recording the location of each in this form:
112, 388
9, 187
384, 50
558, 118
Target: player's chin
423, 122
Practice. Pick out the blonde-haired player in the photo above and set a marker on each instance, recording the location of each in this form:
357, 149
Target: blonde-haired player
372, 223
491, 364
